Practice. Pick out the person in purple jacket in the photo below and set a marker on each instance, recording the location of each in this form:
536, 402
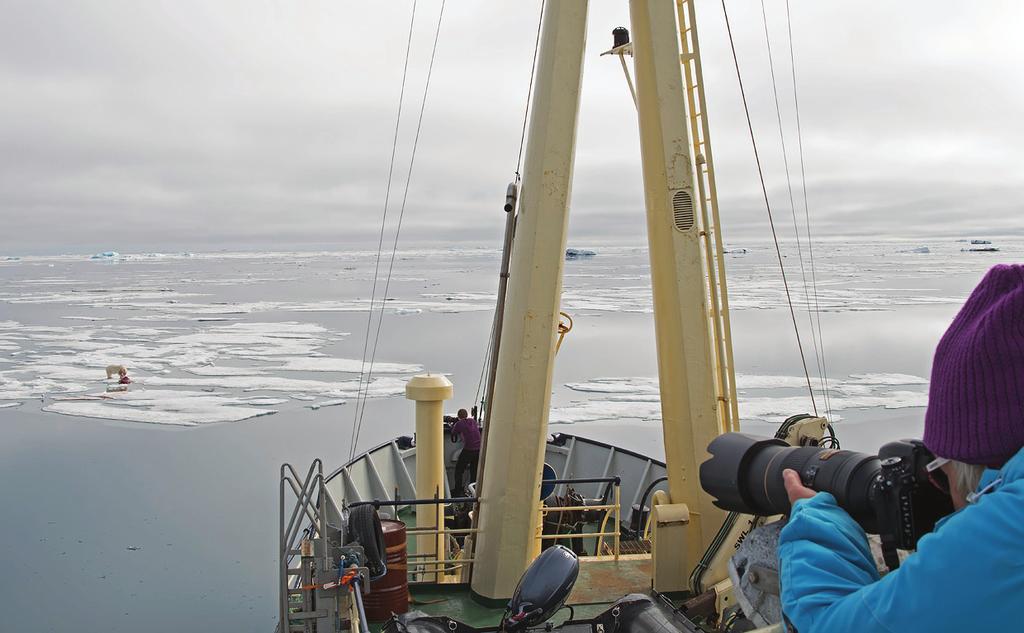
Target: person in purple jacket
467, 429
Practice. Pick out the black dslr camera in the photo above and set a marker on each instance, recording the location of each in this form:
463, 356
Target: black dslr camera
891, 494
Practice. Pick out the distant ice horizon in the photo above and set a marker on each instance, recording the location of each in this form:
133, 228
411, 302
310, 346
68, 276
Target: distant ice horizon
367, 247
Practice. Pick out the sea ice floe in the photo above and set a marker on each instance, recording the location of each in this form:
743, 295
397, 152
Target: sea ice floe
9, 405
282, 329
152, 357
379, 387
263, 401
594, 410
346, 365
771, 409
12, 388
109, 298
326, 403
888, 379
222, 370
50, 281
171, 364
630, 385
179, 408
67, 372
638, 397
762, 381
751, 287
649, 386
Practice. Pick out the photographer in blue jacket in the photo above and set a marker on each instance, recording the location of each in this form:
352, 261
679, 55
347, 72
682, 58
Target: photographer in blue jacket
968, 574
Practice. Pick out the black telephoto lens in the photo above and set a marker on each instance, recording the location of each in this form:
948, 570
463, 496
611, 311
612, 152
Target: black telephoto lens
744, 474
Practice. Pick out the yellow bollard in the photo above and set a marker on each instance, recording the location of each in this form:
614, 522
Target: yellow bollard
429, 391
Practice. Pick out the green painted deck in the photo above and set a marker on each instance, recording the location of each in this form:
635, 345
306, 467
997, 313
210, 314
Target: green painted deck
600, 583
605, 581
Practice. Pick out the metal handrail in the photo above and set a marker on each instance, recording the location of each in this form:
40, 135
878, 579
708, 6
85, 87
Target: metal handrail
306, 502
610, 508
377, 503
437, 560
585, 480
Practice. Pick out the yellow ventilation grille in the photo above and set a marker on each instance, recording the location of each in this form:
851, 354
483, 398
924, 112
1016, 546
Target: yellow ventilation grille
682, 210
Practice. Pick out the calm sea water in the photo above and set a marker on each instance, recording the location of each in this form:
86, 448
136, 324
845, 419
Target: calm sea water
120, 521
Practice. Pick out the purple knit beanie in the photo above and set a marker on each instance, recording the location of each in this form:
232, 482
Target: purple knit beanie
976, 398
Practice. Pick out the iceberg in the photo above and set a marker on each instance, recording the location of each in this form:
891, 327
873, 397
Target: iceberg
578, 253
106, 255
916, 249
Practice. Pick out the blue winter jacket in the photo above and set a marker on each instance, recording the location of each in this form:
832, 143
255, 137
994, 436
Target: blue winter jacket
967, 575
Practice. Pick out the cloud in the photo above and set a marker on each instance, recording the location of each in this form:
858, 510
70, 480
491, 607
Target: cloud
198, 125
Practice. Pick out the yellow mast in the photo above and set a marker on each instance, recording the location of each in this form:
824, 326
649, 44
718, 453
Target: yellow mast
687, 275
685, 527
518, 416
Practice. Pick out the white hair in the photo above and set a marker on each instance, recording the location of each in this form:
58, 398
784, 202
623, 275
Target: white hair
966, 477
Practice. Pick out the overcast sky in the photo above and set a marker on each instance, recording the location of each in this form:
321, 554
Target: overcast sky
200, 125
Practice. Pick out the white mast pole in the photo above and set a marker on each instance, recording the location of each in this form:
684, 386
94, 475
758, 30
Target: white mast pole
518, 416
685, 527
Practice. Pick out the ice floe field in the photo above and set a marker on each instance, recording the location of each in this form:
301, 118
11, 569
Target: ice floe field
155, 508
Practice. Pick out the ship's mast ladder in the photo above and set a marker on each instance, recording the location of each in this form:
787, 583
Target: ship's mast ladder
713, 246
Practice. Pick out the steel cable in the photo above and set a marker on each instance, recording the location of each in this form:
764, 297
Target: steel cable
383, 225
792, 200
807, 216
398, 227
768, 206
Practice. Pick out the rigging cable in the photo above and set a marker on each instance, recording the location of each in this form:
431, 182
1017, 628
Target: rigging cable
792, 201
529, 90
768, 206
383, 224
807, 216
519, 160
398, 227
483, 368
